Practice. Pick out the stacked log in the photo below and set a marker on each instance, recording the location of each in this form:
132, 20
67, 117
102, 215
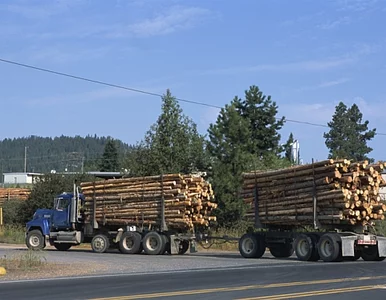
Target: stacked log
346, 193
137, 201
13, 194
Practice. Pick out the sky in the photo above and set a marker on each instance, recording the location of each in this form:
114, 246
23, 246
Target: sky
308, 55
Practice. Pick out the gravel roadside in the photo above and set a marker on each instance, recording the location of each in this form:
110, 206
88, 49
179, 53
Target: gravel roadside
79, 262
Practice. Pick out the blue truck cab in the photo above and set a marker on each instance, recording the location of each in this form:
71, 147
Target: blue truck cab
61, 227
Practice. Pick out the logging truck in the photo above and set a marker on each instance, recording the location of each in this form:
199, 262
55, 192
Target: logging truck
338, 208
67, 225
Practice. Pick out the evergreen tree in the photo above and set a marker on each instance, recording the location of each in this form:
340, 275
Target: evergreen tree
172, 144
348, 135
110, 159
288, 148
261, 112
244, 137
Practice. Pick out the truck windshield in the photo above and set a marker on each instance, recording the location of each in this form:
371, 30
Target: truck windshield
61, 203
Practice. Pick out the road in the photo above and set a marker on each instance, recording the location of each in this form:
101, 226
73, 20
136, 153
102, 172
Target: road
239, 279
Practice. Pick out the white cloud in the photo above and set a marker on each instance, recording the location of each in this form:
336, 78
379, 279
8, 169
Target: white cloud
309, 65
325, 84
355, 5
336, 23
175, 19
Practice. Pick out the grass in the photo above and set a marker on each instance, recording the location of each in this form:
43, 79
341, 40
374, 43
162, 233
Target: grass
222, 244
12, 234
27, 261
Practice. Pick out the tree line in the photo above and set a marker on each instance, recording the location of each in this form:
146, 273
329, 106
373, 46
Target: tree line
245, 136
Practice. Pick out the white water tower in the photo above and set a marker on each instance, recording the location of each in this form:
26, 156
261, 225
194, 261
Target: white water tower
295, 152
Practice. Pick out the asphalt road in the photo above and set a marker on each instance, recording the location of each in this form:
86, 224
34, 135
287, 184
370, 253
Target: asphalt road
254, 279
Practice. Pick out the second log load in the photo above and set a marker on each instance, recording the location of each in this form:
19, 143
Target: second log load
137, 201
13, 194
347, 193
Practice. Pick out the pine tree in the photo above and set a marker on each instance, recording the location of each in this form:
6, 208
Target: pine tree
244, 137
348, 135
110, 159
288, 148
173, 144
261, 112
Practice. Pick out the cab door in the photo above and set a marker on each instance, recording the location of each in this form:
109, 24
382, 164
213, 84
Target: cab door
60, 218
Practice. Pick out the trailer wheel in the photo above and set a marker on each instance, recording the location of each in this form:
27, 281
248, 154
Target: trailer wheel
153, 243
35, 240
62, 246
306, 247
130, 243
282, 250
252, 245
357, 255
183, 247
329, 248
100, 243
371, 254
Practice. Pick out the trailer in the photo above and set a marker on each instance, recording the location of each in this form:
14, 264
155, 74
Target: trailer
327, 243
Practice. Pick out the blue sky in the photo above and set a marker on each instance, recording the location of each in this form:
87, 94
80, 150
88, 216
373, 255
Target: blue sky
307, 54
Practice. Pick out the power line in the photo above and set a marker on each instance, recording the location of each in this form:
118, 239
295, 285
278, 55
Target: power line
102, 82
141, 91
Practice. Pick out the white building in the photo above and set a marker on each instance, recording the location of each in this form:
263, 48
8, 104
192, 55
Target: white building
20, 178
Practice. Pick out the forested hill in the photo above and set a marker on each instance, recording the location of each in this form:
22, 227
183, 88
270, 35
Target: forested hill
45, 154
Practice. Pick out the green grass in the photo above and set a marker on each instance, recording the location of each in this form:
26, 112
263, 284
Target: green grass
12, 234
27, 261
235, 231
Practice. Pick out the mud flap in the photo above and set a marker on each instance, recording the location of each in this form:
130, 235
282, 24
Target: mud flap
381, 246
348, 245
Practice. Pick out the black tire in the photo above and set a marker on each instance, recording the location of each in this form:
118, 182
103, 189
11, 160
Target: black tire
282, 251
153, 243
306, 247
100, 243
35, 240
62, 246
130, 243
329, 248
357, 255
183, 247
252, 245
371, 254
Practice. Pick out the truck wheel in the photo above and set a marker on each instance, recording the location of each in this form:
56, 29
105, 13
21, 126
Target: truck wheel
100, 243
35, 240
183, 247
62, 247
371, 254
329, 248
252, 245
282, 251
130, 243
153, 243
306, 247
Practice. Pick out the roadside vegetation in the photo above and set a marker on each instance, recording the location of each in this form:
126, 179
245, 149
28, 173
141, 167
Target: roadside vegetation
28, 260
246, 135
12, 234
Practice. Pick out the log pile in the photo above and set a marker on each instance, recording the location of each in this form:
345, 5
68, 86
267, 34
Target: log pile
346, 192
13, 194
137, 201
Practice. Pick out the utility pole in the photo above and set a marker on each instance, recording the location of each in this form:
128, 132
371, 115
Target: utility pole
25, 159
